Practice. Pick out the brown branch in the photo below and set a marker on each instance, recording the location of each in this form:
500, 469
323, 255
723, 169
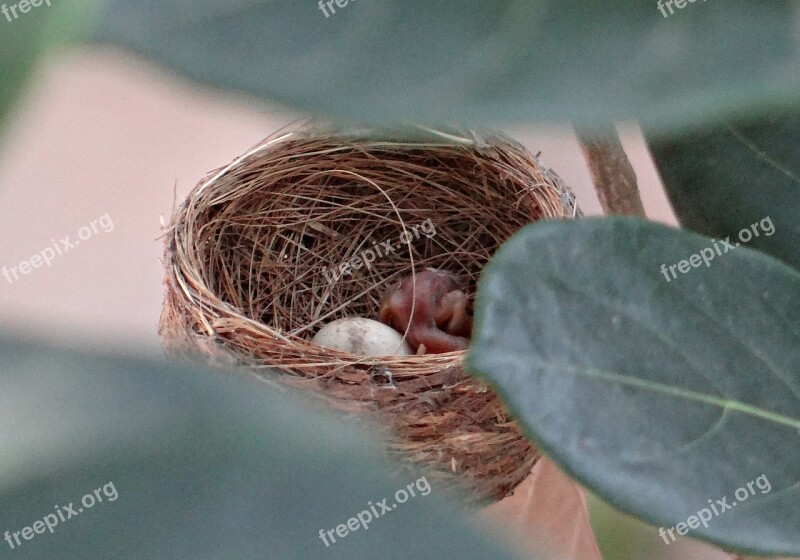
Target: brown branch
612, 173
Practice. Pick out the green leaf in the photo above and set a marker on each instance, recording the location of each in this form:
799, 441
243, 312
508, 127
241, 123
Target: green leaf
620, 536
204, 466
481, 61
658, 395
28, 35
724, 179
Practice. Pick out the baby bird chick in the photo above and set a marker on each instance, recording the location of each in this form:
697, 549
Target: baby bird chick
439, 322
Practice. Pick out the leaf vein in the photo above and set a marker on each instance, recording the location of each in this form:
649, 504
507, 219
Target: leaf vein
761, 154
688, 394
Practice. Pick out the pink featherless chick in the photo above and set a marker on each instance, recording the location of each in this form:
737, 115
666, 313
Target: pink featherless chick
430, 308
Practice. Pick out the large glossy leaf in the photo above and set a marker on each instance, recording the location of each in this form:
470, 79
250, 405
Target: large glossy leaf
726, 178
204, 467
658, 395
477, 61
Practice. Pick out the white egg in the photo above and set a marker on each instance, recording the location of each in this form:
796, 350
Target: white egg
363, 337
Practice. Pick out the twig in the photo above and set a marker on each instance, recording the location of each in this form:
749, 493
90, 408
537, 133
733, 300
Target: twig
612, 173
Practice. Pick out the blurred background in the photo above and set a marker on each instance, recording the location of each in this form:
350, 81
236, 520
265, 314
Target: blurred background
98, 133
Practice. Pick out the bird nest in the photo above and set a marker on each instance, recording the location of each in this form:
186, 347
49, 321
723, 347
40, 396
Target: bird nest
263, 252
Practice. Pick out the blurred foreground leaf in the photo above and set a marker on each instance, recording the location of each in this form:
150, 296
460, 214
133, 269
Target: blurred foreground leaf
486, 60
206, 466
659, 396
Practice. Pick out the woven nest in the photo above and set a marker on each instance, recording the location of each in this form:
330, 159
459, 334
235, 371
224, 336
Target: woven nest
252, 258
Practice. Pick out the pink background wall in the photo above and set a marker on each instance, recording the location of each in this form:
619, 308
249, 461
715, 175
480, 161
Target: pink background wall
101, 134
